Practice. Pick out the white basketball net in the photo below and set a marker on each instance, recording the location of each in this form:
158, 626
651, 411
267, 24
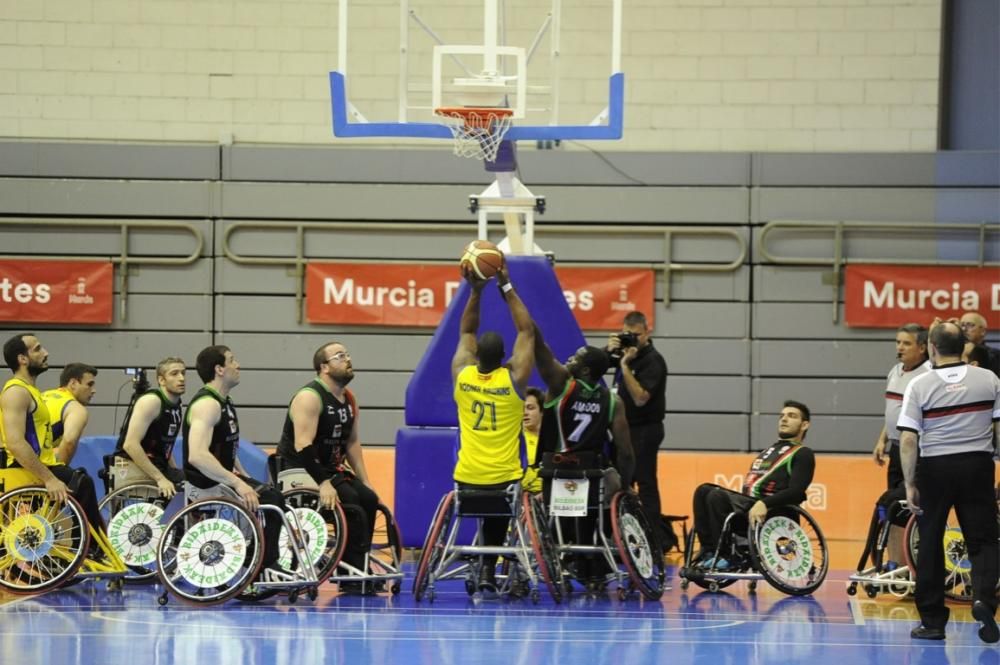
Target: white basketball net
477, 135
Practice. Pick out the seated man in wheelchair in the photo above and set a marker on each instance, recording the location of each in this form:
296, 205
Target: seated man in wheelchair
778, 477
145, 444
211, 441
578, 414
26, 432
320, 434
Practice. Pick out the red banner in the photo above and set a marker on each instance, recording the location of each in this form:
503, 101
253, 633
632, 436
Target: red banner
410, 295
880, 296
56, 291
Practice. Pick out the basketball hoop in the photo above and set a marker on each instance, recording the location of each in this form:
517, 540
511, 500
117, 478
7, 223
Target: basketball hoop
478, 130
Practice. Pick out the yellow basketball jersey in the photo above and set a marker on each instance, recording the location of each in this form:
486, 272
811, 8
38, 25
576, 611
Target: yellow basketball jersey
489, 421
531, 482
37, 430
56, 400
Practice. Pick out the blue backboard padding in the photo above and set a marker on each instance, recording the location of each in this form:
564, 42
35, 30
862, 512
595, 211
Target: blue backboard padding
343, 128
425, 459
429, 394
92, 449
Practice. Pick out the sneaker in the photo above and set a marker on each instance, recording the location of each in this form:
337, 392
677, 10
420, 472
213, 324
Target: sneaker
922, 632
988, 632
519, 588
719, 564
488, 584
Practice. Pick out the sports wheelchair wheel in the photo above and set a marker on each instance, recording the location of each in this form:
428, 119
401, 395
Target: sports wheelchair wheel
634, 541
957, 567
387, 545
134, 515
42, 543
542, 545
434, 544
325, 532
789, 550
210, 551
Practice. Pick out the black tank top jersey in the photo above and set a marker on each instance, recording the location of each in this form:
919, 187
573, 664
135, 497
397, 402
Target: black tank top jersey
158, 442
225, 438
577, 421
336, 422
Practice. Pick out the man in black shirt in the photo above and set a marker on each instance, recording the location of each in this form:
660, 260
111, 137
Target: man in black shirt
146, 442
320, 435
778, 477
641, 381
212, 440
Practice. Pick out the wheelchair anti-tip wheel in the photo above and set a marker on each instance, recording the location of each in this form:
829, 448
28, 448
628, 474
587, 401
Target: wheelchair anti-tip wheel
634, 540
210, 551
542, 545
134, 515
434, 545
42, 543
325, 532
790, 552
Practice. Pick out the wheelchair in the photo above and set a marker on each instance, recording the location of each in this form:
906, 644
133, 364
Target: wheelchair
622, 541
45, 545
134, 511
787, 550
212, 550
875, 573
383, 566
529, 553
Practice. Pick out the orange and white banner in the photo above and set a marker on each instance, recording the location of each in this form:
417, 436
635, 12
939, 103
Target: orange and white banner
56, 291
411, 295
881, 296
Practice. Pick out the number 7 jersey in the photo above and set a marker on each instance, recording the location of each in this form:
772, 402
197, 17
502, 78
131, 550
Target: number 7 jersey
489, 420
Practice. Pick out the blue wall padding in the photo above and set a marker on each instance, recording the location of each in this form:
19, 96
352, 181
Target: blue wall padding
92, 449
425, 458
428, 396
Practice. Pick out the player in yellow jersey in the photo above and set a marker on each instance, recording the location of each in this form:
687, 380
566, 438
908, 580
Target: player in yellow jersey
490, 407
26, 431
67, 407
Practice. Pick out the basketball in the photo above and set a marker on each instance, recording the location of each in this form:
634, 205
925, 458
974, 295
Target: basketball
483, 258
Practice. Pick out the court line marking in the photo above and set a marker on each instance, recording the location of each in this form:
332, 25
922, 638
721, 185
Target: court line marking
856, 612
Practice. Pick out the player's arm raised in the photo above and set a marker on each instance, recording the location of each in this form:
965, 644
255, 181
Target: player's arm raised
465, 354
523, 356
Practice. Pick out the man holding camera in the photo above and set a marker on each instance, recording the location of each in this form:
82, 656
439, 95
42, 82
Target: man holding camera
641, 381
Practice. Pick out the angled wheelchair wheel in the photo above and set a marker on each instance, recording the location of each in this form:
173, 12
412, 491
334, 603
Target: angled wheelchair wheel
210, 551
42, 543
434, 544
135, 518
387, 542
542, 545
957, 566
789, 550
325, 532
634, 540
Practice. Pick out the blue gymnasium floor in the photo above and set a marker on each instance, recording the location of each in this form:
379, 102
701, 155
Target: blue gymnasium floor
85, 624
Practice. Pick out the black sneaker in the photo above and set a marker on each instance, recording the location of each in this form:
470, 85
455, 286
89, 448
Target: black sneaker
922, 632
488, 584
988, 632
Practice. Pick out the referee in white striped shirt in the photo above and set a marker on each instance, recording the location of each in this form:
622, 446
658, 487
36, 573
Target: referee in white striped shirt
954, 410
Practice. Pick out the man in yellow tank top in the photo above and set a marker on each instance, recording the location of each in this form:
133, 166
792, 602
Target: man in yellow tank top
67, 407
26, 431
490, 407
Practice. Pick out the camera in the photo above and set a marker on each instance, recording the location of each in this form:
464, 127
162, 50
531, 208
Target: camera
627, 339
140, 383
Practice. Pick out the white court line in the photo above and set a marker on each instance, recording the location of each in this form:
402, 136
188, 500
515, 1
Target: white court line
856, 612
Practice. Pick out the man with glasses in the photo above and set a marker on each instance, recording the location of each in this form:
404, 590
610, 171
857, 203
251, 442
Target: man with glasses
974, 326
321, 434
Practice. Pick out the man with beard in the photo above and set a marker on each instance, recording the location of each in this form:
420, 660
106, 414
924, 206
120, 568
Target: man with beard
778, 477
26, 429
320, 434
146, 443
67, 407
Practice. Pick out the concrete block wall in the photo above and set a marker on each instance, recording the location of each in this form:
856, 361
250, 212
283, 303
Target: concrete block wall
703, 75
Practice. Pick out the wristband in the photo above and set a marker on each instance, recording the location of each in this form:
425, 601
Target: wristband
506, 288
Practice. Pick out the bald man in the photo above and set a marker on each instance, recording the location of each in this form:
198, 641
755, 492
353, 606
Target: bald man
974, 326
